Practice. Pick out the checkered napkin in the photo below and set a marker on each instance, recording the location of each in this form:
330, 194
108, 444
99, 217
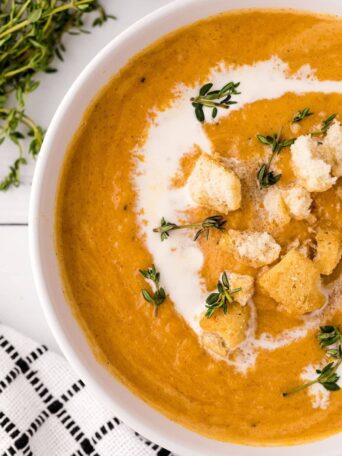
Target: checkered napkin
46, 411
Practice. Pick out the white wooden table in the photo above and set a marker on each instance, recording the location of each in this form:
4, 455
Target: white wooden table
19, 306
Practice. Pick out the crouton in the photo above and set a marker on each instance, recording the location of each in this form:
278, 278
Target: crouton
332, 148
275, 206
212, 184
329, 249
214, 343
253, 248
298, 201
312, 172
246, 283
294, 283
230, 327
282, 204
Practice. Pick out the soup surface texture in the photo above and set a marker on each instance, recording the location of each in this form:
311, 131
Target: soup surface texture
137, 158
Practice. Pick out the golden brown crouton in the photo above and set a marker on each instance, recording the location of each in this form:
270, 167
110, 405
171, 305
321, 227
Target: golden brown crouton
312, 172
275, 206
254, 248
215, 343
212, 184
230, 327
331, 149
298, 201
294, 283
329, 249
246, 283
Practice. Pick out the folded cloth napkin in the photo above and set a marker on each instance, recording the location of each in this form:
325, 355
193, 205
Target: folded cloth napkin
45, 410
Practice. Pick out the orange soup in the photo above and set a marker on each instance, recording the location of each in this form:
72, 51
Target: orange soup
198, 226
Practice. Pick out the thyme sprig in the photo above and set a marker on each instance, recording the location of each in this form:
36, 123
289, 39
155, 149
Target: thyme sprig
214, 99
11, 123
214, 222
157, 296
265, 176
326, 124
220, 298
31, 33
301, 115
330, 339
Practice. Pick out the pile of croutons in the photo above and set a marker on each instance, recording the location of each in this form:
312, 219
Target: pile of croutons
293, 280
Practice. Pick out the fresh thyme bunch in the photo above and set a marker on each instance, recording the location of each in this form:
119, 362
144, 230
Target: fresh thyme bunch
31, 33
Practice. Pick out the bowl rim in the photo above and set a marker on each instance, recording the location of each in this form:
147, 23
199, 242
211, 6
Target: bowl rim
131, 417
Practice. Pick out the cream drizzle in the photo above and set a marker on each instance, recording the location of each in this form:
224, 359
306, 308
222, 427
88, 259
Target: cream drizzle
172, 134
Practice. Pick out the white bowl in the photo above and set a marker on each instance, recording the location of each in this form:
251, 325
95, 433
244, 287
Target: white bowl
133, 411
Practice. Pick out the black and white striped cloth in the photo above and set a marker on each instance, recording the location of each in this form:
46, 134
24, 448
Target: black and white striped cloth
46, 411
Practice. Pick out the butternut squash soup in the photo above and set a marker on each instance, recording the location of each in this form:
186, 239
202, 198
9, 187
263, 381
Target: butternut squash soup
198, 226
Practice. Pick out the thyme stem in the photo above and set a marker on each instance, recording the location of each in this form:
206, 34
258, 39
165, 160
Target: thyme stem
31, 34
214, 222
328, 337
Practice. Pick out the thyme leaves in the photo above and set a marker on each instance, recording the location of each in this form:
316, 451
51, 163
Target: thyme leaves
214, 99
220, 298
265, 176
157, 295
203, 228
330, 339
31, 36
